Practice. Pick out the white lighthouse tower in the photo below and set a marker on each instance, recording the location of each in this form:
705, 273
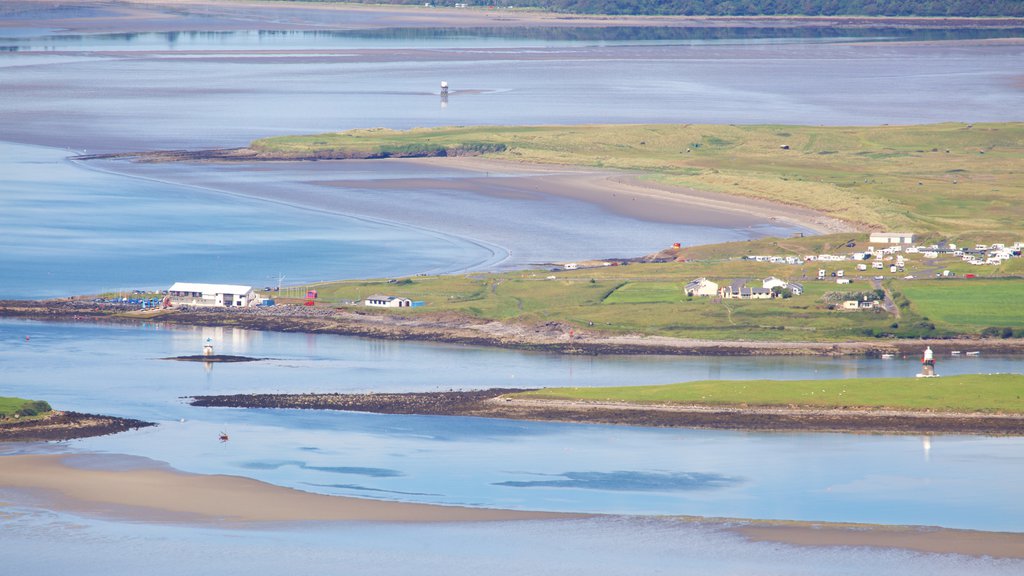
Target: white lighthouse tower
928, 364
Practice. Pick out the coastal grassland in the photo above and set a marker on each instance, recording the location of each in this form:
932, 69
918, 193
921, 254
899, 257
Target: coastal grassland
648, 298
992, 393
950, 179
638, 298
974, 304
20, 407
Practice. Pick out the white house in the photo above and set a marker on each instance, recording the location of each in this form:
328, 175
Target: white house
891, 238
385, 301
197, 294
738, 289
773, 282
701, 287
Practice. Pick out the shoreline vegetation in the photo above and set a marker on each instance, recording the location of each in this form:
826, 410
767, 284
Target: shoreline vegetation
139, 489
952, 405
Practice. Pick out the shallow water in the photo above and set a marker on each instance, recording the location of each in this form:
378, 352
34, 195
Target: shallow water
67, 230
208, 100
608, 546
59, 212
967, 482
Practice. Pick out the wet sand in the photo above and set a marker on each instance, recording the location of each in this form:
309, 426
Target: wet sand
139, 489
921, 539
629, 195
621, 193
142, 490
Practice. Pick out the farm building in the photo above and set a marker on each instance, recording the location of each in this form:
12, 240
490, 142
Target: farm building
385, 301
198, 294
701, 287
891, 238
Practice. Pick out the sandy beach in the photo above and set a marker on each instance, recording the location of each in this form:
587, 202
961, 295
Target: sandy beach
629, 195
142, 490
139, 489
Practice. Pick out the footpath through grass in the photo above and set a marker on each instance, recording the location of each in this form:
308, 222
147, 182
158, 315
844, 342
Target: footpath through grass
22, 408
991, 393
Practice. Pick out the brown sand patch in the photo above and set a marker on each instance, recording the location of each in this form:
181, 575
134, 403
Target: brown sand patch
150, 492
935, 540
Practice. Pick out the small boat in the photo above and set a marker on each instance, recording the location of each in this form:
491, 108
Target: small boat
888, 356
954, 353
974, 353
223, 436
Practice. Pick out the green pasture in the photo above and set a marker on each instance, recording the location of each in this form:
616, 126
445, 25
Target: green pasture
968, 305
22, 408
638, 298
992, 393
948, 179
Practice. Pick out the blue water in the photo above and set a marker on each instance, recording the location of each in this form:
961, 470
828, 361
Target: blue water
69, 230
493, 463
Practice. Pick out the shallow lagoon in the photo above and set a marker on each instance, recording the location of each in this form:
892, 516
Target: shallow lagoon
967, 482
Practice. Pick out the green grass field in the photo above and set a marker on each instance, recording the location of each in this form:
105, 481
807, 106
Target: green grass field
968, 304
951, 179
9, 407
1003, 393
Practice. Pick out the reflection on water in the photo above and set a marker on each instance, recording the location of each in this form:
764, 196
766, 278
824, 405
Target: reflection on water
965, 482
463, 38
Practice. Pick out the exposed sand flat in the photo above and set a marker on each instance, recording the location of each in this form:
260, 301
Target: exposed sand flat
936, 540
140, 489
626, 194
137, 489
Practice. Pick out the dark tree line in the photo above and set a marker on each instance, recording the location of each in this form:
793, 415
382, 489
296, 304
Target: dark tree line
968, 8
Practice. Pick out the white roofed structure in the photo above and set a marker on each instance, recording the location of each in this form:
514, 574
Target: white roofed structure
199, 294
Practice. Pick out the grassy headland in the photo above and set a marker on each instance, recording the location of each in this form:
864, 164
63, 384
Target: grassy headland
994, 393
949, 179
19, 408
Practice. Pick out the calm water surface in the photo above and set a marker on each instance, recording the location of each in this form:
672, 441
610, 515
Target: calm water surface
67, 229
967, 482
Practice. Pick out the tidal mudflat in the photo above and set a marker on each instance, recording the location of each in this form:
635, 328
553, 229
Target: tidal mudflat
155, 95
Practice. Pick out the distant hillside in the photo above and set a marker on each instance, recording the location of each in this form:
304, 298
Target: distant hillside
966, 8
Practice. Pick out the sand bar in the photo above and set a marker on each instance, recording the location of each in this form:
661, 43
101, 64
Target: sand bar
920, 539
139, 489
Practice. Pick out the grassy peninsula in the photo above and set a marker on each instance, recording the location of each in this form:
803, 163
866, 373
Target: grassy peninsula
950, 179
990, 393
18, 408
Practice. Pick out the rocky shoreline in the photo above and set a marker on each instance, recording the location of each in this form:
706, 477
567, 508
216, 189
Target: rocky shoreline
60, 426
494, 404
459, 329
